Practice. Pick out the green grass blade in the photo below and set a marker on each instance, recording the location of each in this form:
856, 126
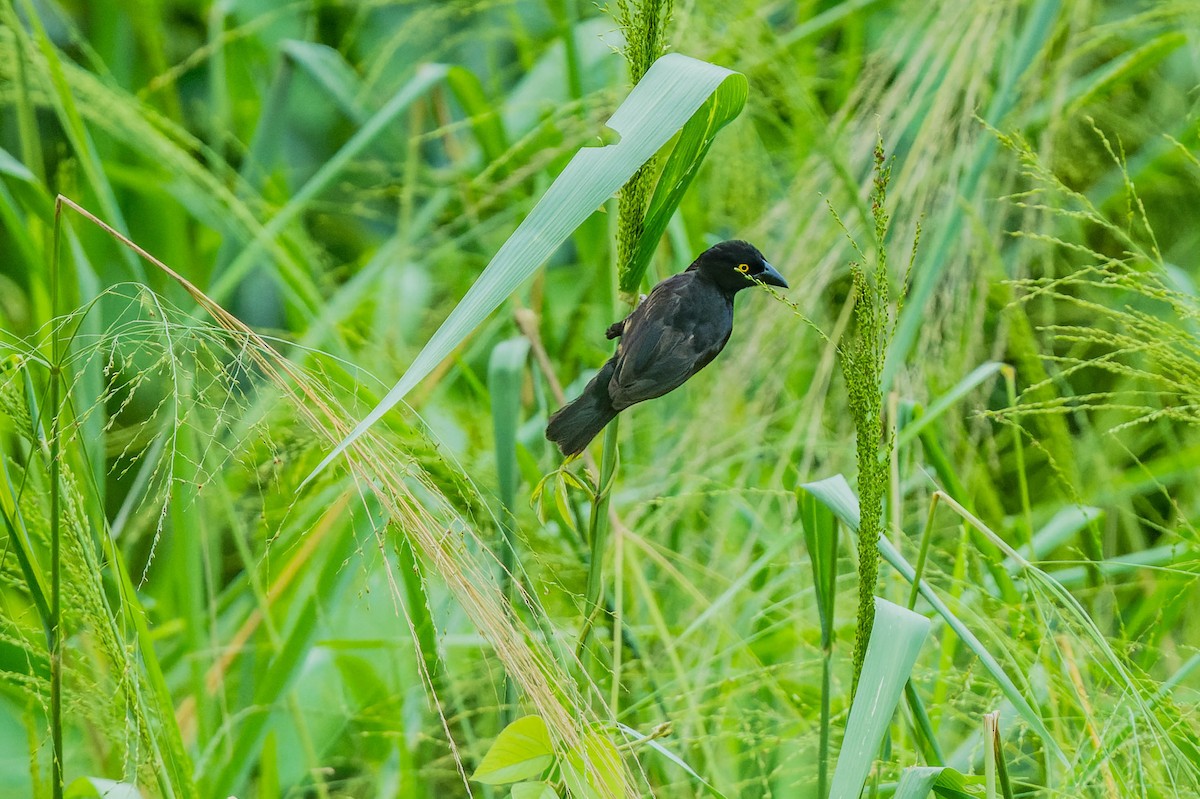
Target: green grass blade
675, 89
943, 403
486, 122
1038, 31
989, 662
820, 535
506, 368
63, 101
835, 493
918, 781
681, 167
637, 737
425, 79
896, 639
330, 71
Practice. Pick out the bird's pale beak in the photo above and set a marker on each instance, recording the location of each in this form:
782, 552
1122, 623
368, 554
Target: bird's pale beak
771, 277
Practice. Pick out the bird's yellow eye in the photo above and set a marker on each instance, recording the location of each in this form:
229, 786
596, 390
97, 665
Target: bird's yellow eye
743, 268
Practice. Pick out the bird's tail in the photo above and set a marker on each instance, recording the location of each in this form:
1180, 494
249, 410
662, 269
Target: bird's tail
575, 424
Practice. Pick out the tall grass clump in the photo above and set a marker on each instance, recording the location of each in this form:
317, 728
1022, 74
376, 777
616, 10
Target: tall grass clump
863, 359
332, 183
644, 24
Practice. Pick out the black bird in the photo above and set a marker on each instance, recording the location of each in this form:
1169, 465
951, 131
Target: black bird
676, 331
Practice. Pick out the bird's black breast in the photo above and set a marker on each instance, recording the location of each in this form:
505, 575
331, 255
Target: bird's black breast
673, 334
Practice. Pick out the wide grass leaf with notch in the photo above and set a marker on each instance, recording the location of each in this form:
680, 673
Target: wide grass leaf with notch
522, 750
674, 91
896, 639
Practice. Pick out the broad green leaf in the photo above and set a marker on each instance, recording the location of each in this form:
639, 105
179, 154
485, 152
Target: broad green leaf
896, 639
835, 493
993, 667
594, 771
694, 141
918, 781
521, 750
533, 790
820, 536
675, 89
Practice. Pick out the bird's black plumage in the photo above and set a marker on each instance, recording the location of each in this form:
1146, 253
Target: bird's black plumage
674, 333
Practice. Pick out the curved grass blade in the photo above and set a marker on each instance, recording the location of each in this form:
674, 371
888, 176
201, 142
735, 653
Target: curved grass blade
637, 737
939, 406
896, 639
1039, 28
695, 139
425, 79
674, 90
836, 494
989, 662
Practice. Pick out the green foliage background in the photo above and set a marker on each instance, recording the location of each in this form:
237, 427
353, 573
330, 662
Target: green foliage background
336, 174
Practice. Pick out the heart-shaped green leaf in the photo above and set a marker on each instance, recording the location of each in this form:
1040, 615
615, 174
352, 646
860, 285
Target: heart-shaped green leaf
674, 92
521, 750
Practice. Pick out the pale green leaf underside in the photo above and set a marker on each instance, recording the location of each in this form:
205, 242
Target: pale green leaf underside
533, 790
917, 782
674, 90
98, 788
896, 639
837, 495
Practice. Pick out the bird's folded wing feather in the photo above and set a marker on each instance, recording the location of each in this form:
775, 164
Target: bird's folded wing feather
662, 346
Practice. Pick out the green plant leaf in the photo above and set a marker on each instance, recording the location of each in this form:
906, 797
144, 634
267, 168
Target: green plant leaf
593, 770
533, 790
330, 70
675, 89
694, 141
896, 639
521, 750
486, 122
993, 667
820, 536
918, 781
674, 758
835, 493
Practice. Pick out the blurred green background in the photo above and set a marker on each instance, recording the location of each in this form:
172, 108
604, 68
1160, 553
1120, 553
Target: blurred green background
312, 169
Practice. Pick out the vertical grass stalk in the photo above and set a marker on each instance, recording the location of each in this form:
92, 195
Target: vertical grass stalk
644, 24
862, 364
54, 630
598, 530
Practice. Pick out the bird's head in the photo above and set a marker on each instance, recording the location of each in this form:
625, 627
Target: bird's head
735, 265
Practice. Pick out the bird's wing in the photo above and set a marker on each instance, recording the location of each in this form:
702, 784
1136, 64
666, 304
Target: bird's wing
672, 335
